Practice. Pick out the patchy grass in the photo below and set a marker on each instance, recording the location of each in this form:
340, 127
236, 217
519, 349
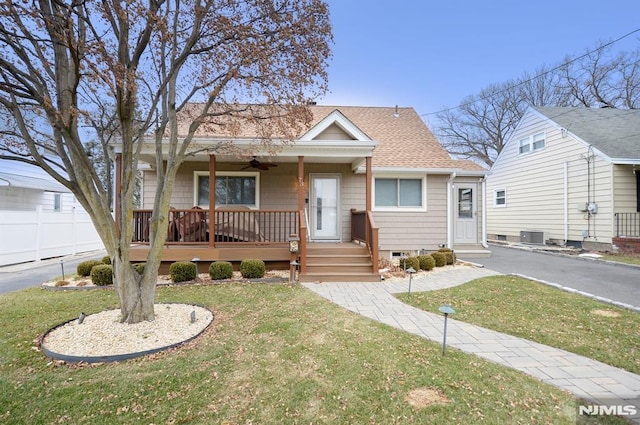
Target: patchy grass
274, 354
537, 312
622, 259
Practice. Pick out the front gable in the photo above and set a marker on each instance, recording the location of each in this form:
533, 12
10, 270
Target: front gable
335, 126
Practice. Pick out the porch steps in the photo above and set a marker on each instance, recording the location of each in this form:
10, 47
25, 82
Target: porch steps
338, 262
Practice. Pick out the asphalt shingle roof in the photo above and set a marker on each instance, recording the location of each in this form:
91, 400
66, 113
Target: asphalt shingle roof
615, 132
404, 141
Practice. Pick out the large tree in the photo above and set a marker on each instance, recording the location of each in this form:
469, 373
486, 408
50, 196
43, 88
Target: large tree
480, 125
151, 60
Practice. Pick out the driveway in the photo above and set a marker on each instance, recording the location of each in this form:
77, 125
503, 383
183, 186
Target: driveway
612, 281
20, 276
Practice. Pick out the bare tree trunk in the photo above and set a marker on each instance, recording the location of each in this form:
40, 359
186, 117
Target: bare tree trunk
136, 301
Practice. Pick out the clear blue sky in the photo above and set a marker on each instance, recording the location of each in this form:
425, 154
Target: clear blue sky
430, 54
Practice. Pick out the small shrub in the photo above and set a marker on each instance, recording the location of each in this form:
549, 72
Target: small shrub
139, 267
252, 269
106, 260
449, 255
426, 262
439, 258
221, 270
84, 268
182, 271
405, 263
102, 274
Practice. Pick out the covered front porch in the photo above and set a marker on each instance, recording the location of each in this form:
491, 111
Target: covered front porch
276, 237
307, 194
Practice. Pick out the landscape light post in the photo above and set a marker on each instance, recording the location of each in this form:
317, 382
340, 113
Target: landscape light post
447, 310
411, 271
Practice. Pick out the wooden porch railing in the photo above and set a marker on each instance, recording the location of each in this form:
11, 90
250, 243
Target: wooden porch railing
232, 226
627, 225
363, 229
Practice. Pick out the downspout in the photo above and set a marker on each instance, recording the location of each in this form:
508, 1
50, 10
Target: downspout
484, 213
452, 177
566, 203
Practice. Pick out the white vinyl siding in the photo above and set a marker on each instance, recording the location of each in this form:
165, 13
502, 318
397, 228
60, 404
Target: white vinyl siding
536, 186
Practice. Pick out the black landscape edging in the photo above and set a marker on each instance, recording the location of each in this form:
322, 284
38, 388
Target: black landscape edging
115, 357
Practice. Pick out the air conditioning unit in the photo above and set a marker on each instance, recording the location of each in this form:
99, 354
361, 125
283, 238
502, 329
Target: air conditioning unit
534, 237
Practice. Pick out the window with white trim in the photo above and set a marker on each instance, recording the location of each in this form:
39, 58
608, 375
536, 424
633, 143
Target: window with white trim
532, 143
232, 189
399, 193
500, 198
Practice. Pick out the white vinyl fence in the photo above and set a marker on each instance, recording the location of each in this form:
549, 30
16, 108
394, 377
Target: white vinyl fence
36, 235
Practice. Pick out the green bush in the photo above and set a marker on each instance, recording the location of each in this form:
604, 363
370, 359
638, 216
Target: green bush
440, 259
102, 274
252, 269
221, 270
139, 267
182, 271
84, 268
449, 255
405, 263
426, 262
106, 260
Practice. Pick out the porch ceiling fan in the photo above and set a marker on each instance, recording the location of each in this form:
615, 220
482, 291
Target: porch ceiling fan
254, 163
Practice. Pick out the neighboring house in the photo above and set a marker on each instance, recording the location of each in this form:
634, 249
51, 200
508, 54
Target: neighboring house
373, 175
568, 176
39, 217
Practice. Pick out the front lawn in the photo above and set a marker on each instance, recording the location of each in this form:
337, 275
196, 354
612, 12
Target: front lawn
274, 354
547, 315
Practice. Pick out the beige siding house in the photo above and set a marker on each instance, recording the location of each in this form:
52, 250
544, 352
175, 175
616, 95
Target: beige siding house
568, 176
372, 177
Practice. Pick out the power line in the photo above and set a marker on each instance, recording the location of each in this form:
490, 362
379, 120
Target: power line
535, 77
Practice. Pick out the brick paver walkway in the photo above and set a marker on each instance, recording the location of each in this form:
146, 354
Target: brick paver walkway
584, 377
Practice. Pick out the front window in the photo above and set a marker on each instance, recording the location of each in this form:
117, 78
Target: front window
399, 193
232, 189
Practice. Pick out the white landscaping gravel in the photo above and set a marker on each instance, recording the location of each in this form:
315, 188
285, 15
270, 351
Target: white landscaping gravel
102, 334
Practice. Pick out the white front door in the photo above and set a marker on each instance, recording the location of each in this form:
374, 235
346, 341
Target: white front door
324, 214
466, 224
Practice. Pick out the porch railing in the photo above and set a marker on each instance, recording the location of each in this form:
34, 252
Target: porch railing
627, 225
231, 226
363, 229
